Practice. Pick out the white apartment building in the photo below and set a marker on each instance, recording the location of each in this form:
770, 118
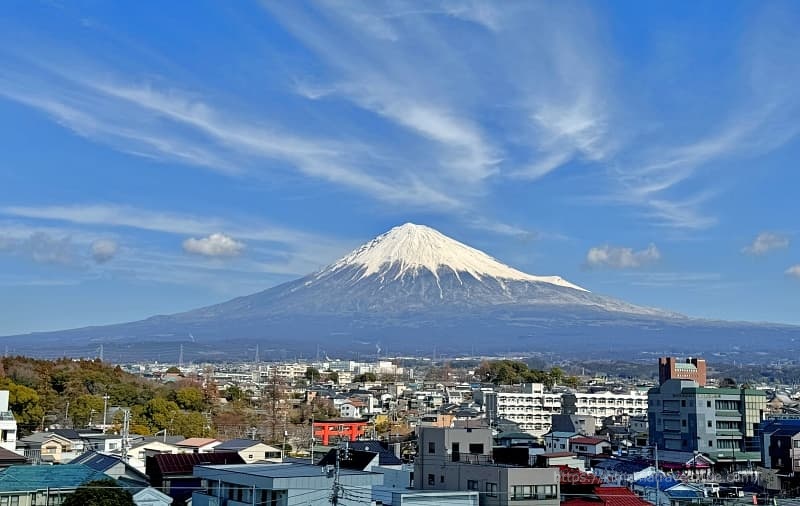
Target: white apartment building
606, 404
533, 408
8, 424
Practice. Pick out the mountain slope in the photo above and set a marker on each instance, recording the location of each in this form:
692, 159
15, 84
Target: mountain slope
414, 289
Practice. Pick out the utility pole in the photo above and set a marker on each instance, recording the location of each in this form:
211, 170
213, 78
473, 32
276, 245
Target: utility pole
311, 449
342, 452
66, 414
126, 430
105, 410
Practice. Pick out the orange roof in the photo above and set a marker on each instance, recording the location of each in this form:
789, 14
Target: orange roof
197, 442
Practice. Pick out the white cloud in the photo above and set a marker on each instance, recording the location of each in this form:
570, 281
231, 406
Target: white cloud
766, 242
621, 258
41, 247
794, 271
215, 245
103, 250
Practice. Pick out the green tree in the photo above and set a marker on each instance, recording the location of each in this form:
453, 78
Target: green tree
190, 398
233, 393
367, 377
25, 403
191, 425
82, 409
100, 493
333, 376
312, 374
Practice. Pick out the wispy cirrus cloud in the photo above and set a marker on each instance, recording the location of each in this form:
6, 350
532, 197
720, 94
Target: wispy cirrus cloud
41, 247
794, 271
303, 251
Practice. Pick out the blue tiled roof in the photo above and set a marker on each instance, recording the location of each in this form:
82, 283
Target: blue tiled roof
30, 478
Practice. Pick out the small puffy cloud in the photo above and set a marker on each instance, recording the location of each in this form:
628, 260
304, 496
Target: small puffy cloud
794, 271
621, 258
766, 242
215, 245
103, 250
41, 248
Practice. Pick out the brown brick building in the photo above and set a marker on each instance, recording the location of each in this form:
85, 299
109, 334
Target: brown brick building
690, 369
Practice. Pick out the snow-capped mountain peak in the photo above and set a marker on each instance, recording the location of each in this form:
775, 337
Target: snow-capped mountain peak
411, 248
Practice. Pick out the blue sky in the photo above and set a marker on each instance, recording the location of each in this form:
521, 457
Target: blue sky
164, 156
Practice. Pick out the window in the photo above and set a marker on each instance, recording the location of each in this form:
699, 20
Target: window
683, 423
431, 479
4, 500
431, 447
476, 448
683, 403
491, 489
472, 485
14, 500
709, 423
708, 404
710, 443
456, 452
441, 478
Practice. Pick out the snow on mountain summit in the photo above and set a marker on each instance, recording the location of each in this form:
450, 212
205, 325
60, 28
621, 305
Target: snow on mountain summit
409, 248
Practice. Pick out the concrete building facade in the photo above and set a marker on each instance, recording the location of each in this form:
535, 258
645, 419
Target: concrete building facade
451, 459
720, 422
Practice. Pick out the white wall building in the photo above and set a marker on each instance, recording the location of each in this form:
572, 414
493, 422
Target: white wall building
533, 408
8, 424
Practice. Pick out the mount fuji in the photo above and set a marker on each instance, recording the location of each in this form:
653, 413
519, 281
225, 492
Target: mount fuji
413, 290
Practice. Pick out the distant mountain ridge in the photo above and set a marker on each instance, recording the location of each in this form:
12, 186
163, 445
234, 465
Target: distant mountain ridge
414, 289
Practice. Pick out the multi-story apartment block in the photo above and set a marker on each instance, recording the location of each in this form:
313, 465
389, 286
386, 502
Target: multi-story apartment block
533, 408
461, 459
720, 422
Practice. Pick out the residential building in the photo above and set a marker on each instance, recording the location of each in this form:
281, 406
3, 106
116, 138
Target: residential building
251, 451
531, 408
9, 458
589, 447
197, 445
34, 485
691, 369
451, 459
780, 449
720, 422
112, 466
173, 475
8, 424
280, 484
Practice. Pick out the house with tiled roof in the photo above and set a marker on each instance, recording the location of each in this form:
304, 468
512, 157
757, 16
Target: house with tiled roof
172, 473
111, 465
198, 445
31, 485
610, 496
250, 450
590, 447
9, 458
